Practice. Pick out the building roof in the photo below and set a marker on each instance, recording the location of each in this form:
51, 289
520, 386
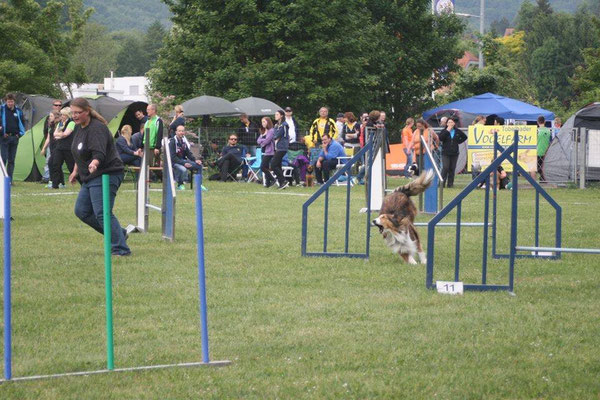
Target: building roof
467, 60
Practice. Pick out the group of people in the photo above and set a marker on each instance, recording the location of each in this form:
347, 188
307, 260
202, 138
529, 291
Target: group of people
449, 139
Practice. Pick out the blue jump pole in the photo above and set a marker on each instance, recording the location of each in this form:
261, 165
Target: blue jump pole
7, 291
201, 272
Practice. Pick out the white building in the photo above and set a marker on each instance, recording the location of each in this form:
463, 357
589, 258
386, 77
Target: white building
131, 88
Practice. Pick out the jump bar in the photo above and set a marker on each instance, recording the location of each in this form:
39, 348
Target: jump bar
153, 207
558, 249
104, 371
453, 224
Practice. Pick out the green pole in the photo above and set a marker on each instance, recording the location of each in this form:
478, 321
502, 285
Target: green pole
108, 272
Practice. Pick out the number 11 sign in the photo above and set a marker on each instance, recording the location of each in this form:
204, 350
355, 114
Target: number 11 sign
449, 287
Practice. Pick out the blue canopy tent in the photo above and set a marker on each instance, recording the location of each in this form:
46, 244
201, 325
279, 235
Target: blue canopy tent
490, 103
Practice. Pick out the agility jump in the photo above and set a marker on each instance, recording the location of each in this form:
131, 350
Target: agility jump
509, 154
110, 364
169, 194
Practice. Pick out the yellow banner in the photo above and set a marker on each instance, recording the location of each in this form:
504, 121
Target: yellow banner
481, 145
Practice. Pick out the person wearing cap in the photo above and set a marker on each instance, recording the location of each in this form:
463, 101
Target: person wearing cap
339, 123
294, 129
320, 126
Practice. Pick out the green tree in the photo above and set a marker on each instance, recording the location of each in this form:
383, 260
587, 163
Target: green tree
349, 55
38, 44
97, 52
131, 59
153, 42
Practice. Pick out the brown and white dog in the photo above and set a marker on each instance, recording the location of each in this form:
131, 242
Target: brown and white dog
397, 216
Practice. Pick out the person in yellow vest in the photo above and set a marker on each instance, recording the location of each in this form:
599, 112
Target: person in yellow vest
320, 126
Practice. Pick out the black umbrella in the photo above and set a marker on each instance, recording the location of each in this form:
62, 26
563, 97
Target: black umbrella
210, 105
255, 106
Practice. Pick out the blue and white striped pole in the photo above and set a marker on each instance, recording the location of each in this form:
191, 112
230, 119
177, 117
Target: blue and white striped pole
7, 278
201, 272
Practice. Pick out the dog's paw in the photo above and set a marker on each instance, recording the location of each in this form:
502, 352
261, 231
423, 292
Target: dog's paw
411, 260
422, 258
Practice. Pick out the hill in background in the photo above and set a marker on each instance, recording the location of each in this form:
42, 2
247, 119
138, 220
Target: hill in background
129, 14
495, 10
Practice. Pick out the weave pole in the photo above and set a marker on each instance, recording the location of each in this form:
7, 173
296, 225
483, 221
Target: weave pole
110, 362
7, 284
201, 271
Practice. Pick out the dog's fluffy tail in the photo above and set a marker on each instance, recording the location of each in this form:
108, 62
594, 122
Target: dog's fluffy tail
418, 185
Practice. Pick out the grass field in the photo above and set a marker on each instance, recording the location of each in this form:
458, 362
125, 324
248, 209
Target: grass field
298, 327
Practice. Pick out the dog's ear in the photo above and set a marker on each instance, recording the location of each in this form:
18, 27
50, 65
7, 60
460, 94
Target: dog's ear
394, 220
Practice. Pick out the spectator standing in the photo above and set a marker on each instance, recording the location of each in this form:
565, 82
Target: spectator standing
450, 137
407, 141
321, 126
247, 132
294, 129
339, 124
129, 154
154, 128
364, 119
351, 131
443, 122
178, 119
12, 127
182, 158
423, 130
382, 125
282, 142
267, 147
556, 127
544, 136
95, 154
48, 131
48, 147
62, 148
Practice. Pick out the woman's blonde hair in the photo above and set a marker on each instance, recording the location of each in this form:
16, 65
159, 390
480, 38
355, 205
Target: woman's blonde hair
66, 111
85, 105
178, 108
126, 133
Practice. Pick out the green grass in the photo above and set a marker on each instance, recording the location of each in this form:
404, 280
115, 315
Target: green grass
300, 327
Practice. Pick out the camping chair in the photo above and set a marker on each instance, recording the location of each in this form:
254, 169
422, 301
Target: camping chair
253, 164
341, 161
288, 170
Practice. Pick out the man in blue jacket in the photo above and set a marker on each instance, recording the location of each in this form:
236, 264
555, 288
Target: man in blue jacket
327, 160
11, 130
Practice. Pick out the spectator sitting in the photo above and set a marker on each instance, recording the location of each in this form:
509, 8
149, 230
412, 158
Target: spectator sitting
137, 139
130, 155
231, 159
327, 160
182, 158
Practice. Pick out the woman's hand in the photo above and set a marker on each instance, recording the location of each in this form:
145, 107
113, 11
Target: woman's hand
93, 167
73, 177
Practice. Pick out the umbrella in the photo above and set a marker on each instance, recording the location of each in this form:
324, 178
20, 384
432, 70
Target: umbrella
490, 103
255, 106
210, 105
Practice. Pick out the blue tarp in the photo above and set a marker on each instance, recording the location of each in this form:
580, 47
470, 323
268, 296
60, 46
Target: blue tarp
490, 103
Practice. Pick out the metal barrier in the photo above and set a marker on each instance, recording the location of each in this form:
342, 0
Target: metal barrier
456, 203
373, 145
